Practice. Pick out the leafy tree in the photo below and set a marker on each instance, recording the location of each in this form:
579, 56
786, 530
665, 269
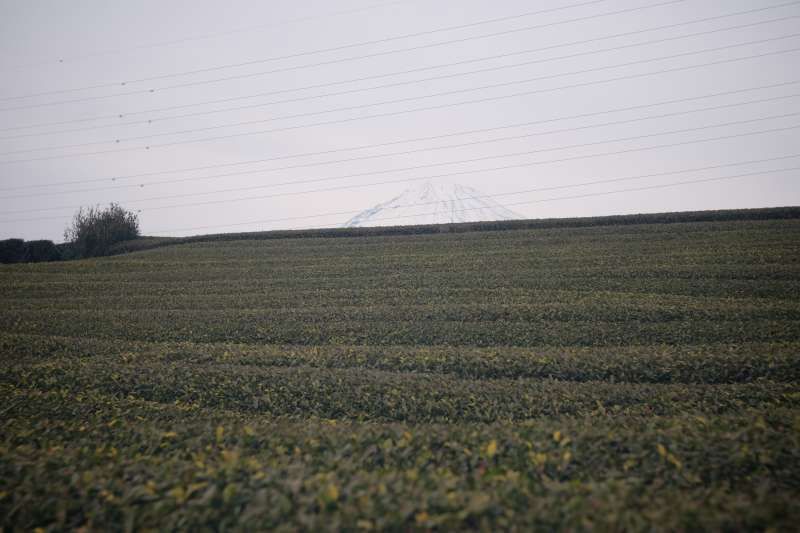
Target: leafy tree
94, 230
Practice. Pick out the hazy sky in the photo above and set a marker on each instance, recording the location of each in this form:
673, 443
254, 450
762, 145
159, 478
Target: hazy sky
51, 47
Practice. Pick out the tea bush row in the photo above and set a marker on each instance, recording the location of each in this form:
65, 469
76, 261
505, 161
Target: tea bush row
709, 363
117, 463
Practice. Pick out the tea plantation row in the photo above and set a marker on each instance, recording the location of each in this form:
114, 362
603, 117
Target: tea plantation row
633, 376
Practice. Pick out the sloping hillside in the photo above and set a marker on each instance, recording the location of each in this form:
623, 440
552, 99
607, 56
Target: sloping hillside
615, 376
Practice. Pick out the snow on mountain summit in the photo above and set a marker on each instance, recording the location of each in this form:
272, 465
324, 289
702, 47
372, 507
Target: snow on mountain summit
429, 203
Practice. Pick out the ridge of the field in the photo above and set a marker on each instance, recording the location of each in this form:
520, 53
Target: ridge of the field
767, 213
632, 373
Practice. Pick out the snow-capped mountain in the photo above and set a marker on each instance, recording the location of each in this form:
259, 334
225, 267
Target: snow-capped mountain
433, 203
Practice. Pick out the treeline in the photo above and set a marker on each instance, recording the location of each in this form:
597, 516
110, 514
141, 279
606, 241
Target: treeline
112, 231
40, 251
20, 251
92, 233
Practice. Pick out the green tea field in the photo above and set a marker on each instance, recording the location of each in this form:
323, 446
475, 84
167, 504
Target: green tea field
634, 376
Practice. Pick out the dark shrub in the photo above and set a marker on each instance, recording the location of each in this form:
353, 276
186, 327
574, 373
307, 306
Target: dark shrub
12, 251
94, 230
38, 251
67, 251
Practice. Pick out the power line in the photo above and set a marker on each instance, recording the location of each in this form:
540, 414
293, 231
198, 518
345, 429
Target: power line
514, 193
540, 189
70, 59
457, 173
375, 145
212, 202
363, 106
446, 105
406, 152
404, 112
384, 86
462, 161
319, 50
353, 58
606, 193
323, 63
183, 106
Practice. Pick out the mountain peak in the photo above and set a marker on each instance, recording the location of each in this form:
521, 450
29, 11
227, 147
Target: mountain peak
433, 203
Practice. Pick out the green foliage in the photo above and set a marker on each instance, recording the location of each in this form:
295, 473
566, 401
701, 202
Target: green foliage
614, 377
12, 251
93, 231
19, 251
41, 251
121, 462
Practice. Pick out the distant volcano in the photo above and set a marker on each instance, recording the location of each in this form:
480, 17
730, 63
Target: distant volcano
430, 203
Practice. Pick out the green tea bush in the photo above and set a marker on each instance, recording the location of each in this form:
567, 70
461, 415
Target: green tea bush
635, 373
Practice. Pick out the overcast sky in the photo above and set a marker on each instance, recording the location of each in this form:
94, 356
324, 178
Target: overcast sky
94, 46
